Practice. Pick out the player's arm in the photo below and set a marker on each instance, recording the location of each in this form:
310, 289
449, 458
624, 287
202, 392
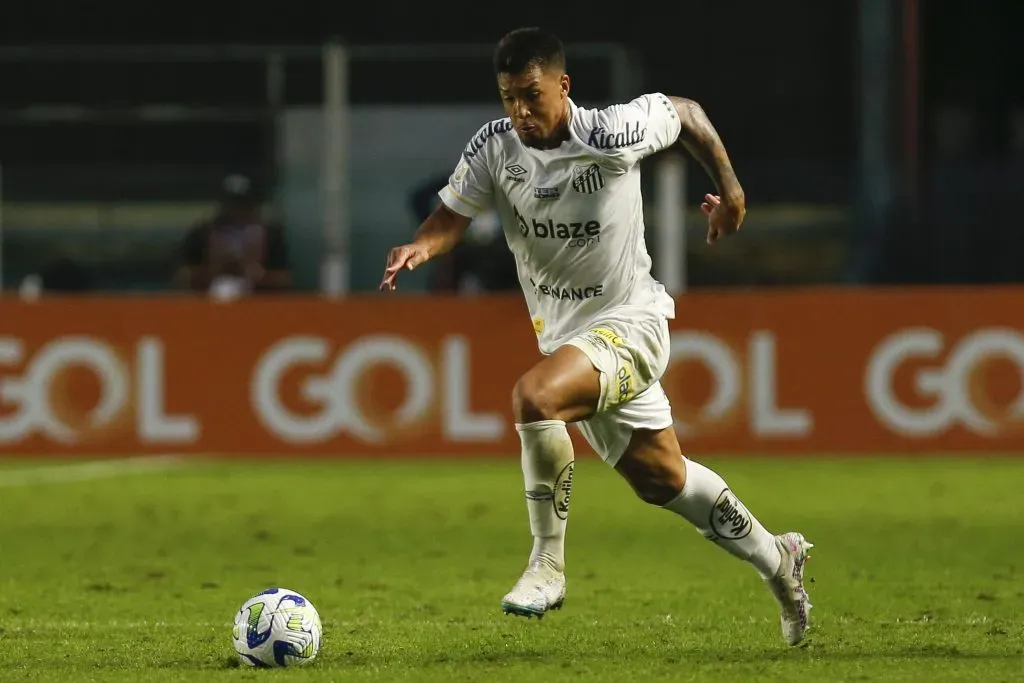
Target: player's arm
438, 234
469, 191
698, 136
442, 230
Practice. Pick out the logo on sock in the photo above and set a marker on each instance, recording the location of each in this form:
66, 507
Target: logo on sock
563, 491
729, 519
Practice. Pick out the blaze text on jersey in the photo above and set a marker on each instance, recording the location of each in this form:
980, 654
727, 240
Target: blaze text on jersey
576, 233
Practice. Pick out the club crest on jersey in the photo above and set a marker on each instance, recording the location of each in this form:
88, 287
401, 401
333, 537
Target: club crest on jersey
587, 179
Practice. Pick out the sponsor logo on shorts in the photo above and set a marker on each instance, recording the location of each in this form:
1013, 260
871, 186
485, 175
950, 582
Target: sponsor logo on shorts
596, 342
624, 382
563, 491
729, 519
605, 333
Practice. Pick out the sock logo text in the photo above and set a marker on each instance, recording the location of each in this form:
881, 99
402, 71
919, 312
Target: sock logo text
729, 519
563, 491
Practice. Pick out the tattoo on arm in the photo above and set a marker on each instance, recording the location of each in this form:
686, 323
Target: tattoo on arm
701, 140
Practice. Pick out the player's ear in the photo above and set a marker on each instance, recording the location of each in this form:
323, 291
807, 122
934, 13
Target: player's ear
564, 83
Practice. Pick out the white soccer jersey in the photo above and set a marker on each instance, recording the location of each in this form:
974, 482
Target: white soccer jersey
572, 216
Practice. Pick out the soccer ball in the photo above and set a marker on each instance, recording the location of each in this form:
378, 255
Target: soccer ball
277, 628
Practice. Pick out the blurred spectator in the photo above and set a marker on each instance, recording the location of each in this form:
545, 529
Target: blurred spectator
481, 262
63, 275
237, 251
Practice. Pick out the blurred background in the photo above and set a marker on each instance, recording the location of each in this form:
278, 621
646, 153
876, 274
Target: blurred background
156, 155
879, 141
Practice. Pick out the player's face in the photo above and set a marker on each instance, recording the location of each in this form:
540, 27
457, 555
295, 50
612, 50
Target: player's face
537, 102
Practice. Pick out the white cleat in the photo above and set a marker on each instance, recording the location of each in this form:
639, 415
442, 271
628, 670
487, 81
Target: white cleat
540, 589
788, 585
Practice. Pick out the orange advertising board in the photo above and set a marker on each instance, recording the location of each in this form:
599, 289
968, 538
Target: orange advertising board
822, 371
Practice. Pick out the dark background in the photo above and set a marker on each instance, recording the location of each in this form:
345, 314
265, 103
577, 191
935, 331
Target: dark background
781, 80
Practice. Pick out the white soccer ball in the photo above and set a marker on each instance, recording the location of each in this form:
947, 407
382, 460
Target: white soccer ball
277, 628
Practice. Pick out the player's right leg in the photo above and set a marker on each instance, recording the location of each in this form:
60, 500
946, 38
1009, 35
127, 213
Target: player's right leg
562, 388
596, 371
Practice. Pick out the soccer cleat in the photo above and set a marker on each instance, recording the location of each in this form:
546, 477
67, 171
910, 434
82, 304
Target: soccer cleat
540, 589
788, 585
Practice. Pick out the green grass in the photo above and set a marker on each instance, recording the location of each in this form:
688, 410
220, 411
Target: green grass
917, 574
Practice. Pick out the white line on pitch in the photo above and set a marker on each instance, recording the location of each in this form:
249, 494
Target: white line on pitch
102, 469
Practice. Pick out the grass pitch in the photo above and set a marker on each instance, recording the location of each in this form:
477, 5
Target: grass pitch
918, 573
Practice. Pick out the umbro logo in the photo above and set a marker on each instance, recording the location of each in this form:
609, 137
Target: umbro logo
515, 173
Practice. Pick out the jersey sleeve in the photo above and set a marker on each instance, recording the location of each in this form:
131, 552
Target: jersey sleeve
627, 133
470, 188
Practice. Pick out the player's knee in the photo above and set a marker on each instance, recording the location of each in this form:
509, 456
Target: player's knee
658, 491
655, 482
653, 466
534, 399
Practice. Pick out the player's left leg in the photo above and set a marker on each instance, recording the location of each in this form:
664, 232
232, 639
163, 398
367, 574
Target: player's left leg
652, 464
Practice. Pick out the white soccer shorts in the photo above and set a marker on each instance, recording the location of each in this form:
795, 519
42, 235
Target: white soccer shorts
631, 352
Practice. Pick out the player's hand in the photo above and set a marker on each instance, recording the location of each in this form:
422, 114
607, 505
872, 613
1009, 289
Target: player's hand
724, 218
407, 256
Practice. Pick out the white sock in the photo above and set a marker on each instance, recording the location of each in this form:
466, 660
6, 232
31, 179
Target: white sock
547, 473
707, 502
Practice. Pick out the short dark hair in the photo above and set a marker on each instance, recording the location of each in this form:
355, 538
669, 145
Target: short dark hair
526, 47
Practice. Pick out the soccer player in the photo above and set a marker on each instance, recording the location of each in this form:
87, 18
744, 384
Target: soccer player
566, 182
